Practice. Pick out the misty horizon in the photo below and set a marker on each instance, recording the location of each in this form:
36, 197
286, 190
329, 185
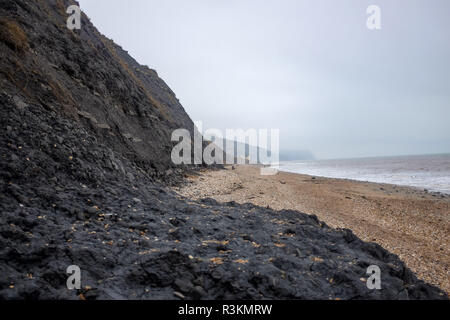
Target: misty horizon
313, 70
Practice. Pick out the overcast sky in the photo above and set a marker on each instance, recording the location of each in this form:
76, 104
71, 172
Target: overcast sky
310, 68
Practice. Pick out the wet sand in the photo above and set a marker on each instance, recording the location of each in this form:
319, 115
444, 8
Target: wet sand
412, 223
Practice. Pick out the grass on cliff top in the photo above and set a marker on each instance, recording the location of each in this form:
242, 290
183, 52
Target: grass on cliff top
13, 35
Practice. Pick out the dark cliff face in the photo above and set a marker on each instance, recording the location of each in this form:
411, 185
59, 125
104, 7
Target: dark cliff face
86, 77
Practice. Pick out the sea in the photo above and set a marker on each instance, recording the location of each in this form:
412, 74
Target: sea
431, 172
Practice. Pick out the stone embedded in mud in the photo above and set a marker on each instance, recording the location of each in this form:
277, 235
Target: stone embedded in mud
19, 103
183, 285
91, 211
